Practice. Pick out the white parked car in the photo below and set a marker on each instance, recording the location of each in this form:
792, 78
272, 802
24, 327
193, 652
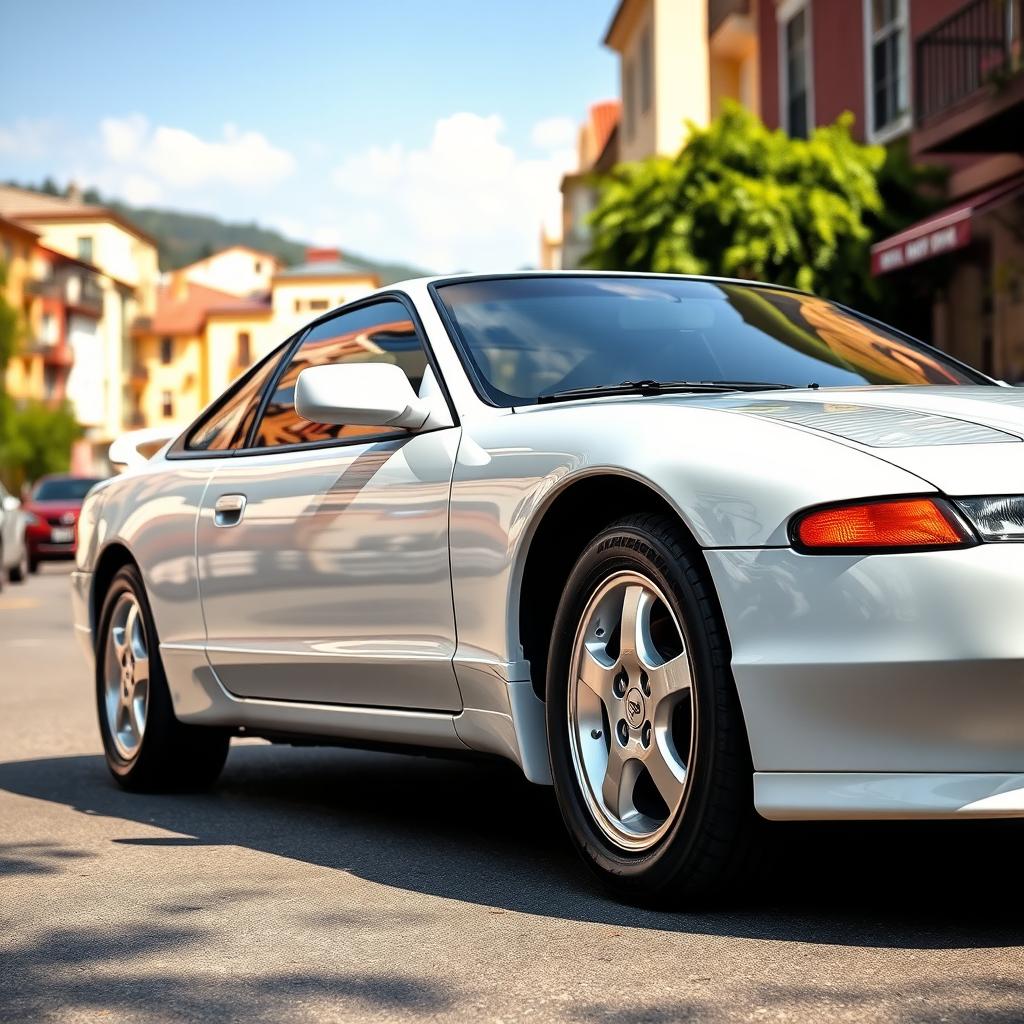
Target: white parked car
14, 560
694, 551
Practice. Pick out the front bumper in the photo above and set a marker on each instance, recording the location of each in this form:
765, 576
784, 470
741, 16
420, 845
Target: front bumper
881, 665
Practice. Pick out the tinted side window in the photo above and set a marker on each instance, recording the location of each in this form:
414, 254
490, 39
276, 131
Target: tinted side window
381, 333
227, 424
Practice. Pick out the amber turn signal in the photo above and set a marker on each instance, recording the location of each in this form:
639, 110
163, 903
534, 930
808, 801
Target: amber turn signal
893, 524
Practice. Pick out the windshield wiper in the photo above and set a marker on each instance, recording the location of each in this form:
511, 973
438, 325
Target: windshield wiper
662, 387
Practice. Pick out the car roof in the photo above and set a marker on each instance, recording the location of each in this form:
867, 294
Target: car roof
444, 279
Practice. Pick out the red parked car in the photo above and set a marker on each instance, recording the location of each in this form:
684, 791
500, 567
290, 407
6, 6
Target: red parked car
51, 513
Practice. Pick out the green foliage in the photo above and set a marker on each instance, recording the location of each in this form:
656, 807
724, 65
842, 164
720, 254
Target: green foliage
34, 438
742, 201
37, 439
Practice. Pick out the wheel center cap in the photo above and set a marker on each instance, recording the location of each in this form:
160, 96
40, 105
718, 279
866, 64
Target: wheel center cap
635, 711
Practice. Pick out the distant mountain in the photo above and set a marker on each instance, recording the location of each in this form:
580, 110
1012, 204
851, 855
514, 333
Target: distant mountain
183, 238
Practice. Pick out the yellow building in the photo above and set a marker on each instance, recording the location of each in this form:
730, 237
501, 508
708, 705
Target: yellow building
126, 274
24, 378
678, 59
198, 340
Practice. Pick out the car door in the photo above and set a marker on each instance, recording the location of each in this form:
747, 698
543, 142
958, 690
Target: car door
323, 550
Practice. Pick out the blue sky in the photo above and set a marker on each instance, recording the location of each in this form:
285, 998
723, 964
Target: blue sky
433, 132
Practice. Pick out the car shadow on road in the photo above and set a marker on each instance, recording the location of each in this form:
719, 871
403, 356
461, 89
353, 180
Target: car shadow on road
478, 832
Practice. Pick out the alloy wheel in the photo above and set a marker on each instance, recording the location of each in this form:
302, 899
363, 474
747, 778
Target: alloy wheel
126, 676
632, 713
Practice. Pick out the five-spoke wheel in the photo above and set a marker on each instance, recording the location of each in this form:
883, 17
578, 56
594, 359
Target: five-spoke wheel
646, 741
126, 674
146, 746
631, 721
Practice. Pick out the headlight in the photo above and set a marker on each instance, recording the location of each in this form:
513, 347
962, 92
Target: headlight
995, 519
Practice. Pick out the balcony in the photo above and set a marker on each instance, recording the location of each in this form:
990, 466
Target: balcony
138, 374
719, 10
54, 353
969, 88
79, 293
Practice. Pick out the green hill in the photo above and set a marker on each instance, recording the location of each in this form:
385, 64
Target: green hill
183, 238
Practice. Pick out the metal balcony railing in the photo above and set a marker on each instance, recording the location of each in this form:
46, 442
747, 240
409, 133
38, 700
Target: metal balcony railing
973, 47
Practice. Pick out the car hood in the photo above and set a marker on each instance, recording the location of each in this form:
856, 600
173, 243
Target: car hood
962, 440
53, 508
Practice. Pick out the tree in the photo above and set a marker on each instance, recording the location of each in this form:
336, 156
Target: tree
34, 438
740, 200
38, 441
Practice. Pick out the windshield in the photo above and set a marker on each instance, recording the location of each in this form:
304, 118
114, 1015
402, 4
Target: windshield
68, 488
533, 336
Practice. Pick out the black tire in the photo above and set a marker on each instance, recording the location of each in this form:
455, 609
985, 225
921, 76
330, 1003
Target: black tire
709, 845
171, 756
19, 572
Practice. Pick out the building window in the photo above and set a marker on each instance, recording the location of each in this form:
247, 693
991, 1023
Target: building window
646, 71
887, 61
167, 404
257, 266
318, 304
166, 351
244, 348
795, 66
85, 248
629, 98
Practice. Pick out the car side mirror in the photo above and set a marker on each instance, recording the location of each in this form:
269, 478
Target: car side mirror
360, 394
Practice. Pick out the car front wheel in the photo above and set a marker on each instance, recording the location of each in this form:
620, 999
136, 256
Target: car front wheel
647, 745
146, 747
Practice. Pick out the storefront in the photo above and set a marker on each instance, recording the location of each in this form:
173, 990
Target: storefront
978, 312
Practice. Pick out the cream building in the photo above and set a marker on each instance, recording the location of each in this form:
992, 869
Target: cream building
237, 270
597, 152
323, 281
678, 59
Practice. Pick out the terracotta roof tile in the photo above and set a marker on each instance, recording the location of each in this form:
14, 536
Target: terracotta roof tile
183, 306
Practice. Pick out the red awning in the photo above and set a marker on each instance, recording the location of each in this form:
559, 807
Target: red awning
942, 232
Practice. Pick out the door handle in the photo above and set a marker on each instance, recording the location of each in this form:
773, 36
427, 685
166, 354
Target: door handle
228, 510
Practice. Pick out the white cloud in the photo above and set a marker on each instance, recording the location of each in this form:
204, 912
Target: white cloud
139, 190
27, 138
179, 159
554, 133
467, 200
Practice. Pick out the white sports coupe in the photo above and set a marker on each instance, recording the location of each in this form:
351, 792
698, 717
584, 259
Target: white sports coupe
696, 551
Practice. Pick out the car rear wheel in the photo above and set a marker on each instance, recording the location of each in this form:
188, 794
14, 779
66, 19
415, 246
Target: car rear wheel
146, 747
648, 751
19, 572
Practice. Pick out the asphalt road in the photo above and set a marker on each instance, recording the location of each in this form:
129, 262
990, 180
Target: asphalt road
323, 884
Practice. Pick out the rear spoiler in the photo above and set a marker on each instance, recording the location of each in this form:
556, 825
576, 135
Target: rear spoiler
139, 446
